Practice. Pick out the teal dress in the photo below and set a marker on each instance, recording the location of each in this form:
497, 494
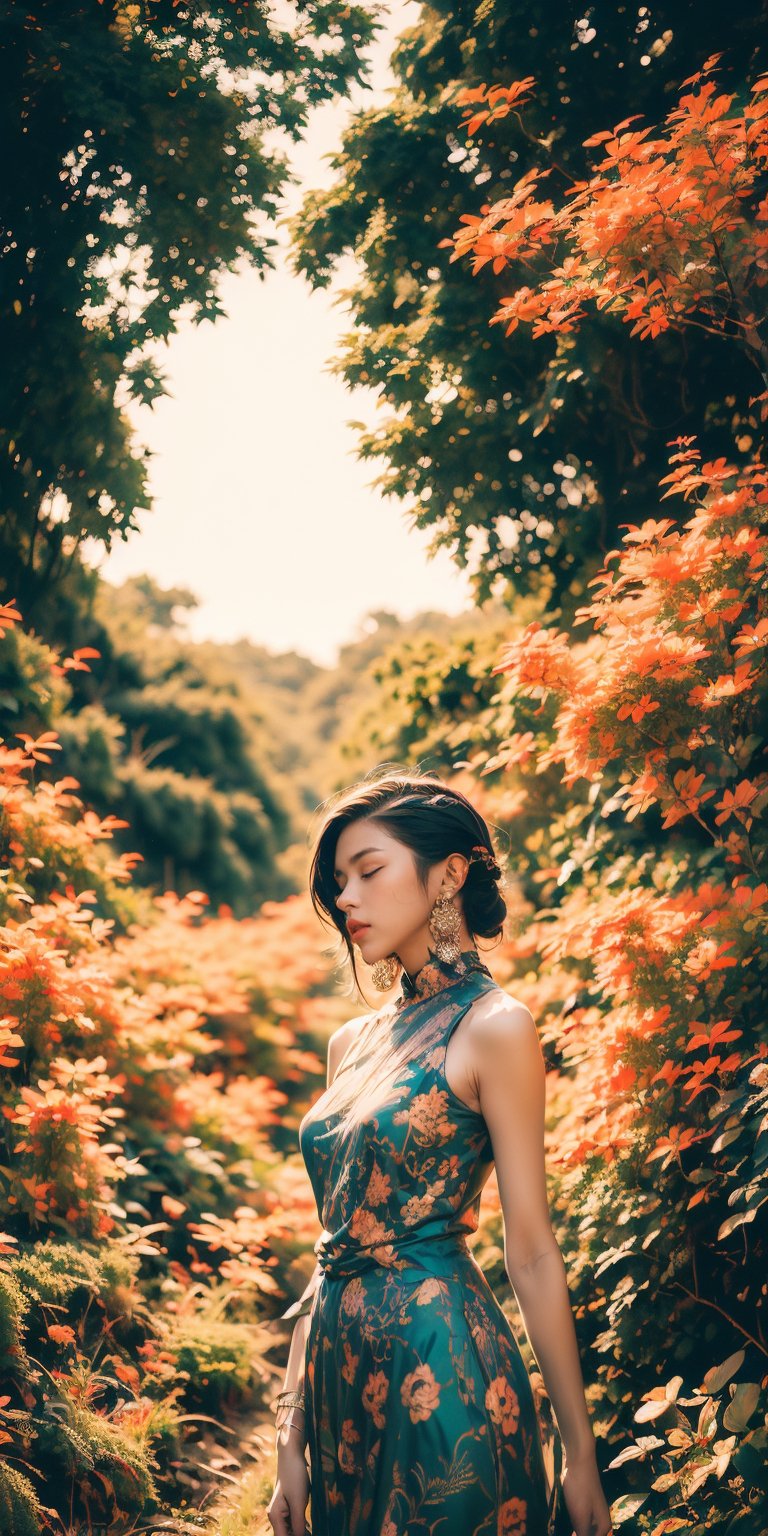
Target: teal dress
419, 1416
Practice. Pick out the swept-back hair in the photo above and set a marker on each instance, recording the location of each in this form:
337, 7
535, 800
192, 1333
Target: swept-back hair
433, 819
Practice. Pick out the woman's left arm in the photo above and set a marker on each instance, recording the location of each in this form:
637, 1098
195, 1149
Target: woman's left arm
510, 1078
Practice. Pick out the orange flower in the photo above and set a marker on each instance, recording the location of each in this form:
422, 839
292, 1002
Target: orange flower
637, 708
503, 1404
61, 1333
427, 1116
420, 1393
513, 1518
374, 1396
736, 802
346, 1453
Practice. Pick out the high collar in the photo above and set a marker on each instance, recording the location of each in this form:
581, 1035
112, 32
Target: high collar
435, 974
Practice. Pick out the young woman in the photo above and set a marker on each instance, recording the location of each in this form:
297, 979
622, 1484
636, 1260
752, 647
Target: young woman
408, 1389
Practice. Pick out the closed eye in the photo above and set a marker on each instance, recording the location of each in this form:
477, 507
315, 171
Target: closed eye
340, 888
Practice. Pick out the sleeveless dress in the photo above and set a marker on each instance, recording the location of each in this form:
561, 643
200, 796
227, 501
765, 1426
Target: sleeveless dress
419, 1416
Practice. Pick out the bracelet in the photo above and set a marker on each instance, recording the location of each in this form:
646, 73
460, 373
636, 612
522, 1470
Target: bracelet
286, 1402
287, 1416
288, 1419
291, 1425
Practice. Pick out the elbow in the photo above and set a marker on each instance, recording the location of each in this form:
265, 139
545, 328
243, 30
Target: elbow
524, 1262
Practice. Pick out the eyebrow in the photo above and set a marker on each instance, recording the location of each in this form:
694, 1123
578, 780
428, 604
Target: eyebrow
355, 856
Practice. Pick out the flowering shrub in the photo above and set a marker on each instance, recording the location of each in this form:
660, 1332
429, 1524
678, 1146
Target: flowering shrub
150, 1219
650, 962
669, 231
661, 1145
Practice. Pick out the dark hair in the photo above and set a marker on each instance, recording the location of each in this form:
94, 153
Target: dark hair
429, 817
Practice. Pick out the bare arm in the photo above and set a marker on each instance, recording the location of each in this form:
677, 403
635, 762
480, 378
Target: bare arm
511, 1074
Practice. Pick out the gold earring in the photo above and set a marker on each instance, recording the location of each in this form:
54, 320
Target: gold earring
385, 972
445, 925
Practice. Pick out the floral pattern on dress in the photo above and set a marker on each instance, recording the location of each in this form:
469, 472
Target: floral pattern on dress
420, 1416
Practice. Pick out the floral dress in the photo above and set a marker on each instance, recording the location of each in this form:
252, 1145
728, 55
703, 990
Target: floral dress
420, 1419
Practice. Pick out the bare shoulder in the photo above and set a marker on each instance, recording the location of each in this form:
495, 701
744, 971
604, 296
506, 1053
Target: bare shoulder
493, 1033
341, 1040
502, 1028
346, 1033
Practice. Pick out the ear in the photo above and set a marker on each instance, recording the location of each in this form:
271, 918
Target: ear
456, 867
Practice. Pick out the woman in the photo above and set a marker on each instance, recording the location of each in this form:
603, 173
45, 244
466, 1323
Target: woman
408, 1389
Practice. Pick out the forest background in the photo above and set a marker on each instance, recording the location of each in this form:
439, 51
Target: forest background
559, 221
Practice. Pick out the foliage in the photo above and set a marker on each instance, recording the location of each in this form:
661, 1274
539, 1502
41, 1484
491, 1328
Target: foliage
157, 1057
222, 807
416, 692
19, 1505
669, 230
151, 1222
647, 963
141, 163
661, 1148
628, 771
522, 456
164, 742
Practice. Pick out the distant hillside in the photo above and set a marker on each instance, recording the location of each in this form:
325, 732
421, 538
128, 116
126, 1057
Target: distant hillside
313, 709
217, 755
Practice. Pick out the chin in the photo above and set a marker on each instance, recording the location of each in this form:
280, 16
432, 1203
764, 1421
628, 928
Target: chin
372, 952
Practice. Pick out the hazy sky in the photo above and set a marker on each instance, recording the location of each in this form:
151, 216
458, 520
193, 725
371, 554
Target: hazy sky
261, 506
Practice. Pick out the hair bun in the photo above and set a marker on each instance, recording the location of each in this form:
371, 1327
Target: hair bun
480, 852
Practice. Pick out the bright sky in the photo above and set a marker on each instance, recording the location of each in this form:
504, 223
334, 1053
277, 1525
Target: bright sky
261, 506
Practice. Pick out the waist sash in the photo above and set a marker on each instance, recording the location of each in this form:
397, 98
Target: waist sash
427, 1253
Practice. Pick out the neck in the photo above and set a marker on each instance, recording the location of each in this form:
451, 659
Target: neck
432, 958
435, 974
419, 951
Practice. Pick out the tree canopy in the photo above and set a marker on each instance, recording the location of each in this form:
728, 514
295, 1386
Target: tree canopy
523, 455
143, 156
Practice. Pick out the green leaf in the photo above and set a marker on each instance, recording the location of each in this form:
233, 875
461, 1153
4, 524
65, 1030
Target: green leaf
716, 1378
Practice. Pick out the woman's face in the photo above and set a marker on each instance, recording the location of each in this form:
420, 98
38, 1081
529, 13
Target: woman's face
378, 887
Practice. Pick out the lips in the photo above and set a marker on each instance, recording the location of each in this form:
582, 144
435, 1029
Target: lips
354, 928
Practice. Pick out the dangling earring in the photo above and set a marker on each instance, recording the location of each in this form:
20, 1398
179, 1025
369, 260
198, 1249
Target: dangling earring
385, 972
445, 925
